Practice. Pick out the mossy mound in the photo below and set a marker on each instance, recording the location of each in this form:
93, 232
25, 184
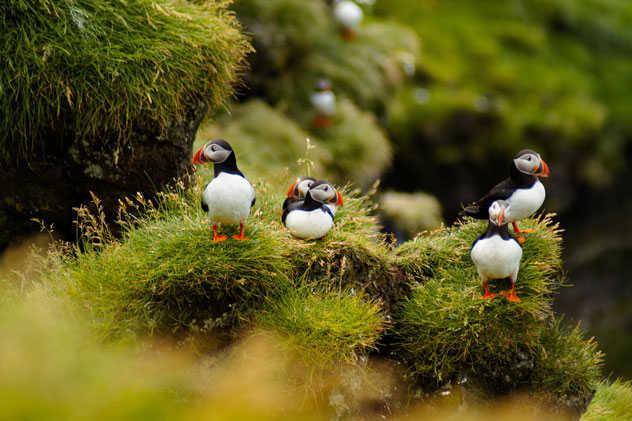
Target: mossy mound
613, 402
97, 71
446, 332
333, 300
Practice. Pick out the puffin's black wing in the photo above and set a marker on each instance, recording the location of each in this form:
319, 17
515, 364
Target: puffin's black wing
289, 204
480, 208
204, 205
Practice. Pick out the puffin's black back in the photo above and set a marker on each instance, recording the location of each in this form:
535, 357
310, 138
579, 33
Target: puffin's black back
501, 191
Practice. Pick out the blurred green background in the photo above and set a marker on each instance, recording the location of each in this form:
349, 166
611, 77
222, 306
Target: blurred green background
433, 98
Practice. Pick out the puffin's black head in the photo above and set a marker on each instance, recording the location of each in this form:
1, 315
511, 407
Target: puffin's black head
300, 187
323, 85
215, 151
529, 162
324, 192
499, 212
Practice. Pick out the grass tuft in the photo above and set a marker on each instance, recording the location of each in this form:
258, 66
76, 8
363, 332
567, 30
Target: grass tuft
152, 63
445, 330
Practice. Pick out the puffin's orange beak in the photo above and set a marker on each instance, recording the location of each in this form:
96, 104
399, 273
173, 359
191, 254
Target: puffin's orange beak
197, 158
544, 171
337, 198
501, 217
290, 192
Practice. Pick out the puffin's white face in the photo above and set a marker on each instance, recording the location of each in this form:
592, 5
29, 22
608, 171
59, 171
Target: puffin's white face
216, 153
531, 163
499, 212
324, 193
303, 185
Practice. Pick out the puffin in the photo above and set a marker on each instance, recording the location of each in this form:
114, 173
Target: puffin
313, 217
229, 196
323, 101
523, 190
296, 193
349, 16
497, 252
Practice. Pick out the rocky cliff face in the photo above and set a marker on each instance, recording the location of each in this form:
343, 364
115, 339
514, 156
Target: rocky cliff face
52, 183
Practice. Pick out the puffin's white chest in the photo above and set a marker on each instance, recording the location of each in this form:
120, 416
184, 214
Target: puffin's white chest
309, 224
228, 197
496, 258
525, 202
324, 102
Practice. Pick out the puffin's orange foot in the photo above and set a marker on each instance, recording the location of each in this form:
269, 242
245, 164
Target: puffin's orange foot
321, 122
519, 231
488, 296
216, 237
521, 239
240, 237
511, 296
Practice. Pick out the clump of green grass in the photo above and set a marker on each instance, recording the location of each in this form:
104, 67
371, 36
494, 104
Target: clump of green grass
151, 62
330, 298
566, 366
324, 324
612, 402
166, 273
445, 330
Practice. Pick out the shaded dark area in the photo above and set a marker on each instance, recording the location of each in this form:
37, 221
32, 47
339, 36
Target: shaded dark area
50, 185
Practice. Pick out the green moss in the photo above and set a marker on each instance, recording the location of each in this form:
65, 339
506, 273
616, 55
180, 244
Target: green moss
330, 298
612, 402
96, 71
445, 330
324, 325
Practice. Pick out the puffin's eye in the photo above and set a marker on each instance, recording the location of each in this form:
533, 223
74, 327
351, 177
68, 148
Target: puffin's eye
213, 148
529, 158
326, 188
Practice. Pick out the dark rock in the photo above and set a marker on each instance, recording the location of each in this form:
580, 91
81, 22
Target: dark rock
55, 181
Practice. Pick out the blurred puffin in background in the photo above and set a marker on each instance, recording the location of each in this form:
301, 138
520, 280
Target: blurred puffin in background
523, 190
348, 15
323, 101
313, 218
229, 196
497, 253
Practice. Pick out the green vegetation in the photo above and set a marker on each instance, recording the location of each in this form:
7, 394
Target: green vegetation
496, 76
330, 303
353, 148
612, 402
161, 322
100, 70
444, 327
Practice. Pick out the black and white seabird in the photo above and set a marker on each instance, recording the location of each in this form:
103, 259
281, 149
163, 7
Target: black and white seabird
523, 190
229, 196
497, 253
349, 16
323, 101
296, 193
313, 217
